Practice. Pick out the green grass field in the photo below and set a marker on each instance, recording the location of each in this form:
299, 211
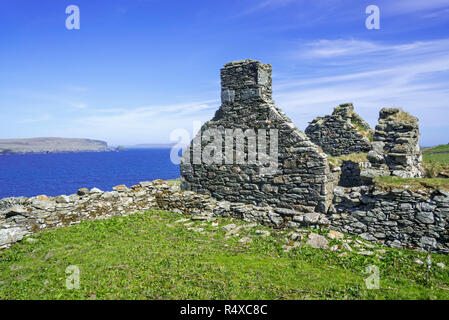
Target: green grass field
439, 148
153, 255
436, 161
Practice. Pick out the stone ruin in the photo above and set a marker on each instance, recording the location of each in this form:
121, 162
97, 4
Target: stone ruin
344, 132
291, 186
395, 149
295, 175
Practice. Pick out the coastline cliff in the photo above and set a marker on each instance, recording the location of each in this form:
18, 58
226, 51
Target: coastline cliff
52, 145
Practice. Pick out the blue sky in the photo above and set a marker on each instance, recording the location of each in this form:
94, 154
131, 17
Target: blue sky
138, 69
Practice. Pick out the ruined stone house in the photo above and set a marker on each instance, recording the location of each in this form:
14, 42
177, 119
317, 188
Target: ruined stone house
277, 165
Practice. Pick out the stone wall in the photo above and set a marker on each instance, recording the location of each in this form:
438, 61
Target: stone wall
23, 216
299, 178
398, 218
343, 132
395, 150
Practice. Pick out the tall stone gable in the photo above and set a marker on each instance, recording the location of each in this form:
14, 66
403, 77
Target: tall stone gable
395, 149
299, 177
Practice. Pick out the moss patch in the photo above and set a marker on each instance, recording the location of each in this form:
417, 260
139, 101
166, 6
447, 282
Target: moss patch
174, 182
389, 182
354, 157
403, 117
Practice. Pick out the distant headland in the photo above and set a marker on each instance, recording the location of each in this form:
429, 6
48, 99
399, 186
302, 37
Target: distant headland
52, 145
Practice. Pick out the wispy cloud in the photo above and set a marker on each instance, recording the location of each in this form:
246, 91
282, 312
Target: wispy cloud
78, 105
44, 117
437, 13
349, 47
146, 124
73, 88
412, 75
410, 6
265, 5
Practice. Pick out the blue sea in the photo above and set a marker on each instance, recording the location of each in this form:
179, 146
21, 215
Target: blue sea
64, 173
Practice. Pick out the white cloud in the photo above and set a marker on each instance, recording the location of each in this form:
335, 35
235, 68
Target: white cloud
147, 124
41, 118
351, 47
372, 75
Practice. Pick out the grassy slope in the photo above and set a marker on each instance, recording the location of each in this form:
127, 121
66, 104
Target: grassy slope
435, 163
150, 256
440, 148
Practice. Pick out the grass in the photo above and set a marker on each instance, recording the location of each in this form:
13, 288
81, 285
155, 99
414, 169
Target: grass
436, 161
354, 157
174, 182
404, 117
362, 129
440, 148
389, 182
151, 256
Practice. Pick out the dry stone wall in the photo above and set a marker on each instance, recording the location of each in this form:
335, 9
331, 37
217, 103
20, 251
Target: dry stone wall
398, 218
395, 150
343, 132
299, 179
21, 216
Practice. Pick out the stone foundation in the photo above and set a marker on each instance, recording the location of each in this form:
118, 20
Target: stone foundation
398, 218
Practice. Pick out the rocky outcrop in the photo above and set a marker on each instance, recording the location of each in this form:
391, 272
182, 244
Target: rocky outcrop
51, 145
395, 149
344, 132
285, 170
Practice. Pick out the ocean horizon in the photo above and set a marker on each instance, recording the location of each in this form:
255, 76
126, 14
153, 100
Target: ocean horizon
54, 174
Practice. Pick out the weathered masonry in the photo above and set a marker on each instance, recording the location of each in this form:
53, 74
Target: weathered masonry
395, 150
289, 172
342, 132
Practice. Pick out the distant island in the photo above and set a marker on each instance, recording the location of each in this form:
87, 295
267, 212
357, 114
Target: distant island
52, 145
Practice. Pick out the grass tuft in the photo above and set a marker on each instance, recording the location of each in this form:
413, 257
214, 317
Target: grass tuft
354, 157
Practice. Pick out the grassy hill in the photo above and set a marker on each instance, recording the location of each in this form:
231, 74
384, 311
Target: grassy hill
162, 255
436, 161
